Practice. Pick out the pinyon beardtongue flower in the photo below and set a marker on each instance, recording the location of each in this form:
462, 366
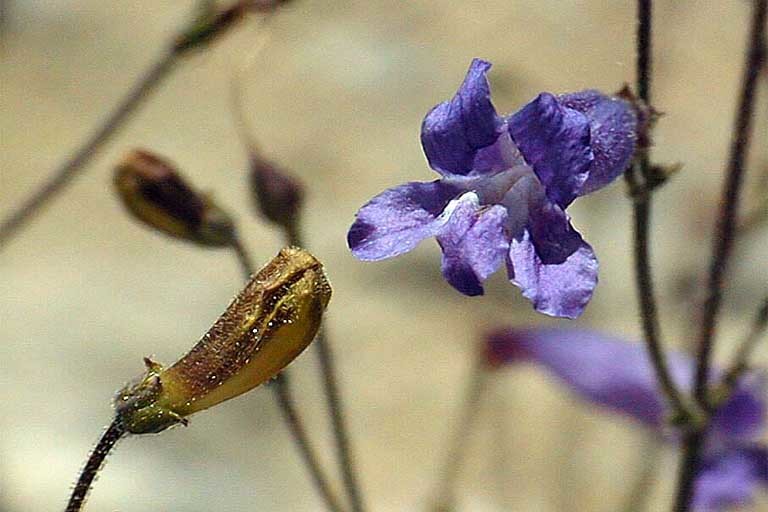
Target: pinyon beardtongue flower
504, 187
618, 376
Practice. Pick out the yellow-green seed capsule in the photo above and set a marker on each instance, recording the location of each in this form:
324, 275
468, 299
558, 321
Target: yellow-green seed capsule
268, 324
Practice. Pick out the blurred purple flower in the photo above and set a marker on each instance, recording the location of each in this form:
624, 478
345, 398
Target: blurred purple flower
618, 376
505, 185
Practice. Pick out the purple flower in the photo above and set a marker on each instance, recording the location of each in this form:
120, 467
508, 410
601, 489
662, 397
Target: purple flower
504, 187
619, 377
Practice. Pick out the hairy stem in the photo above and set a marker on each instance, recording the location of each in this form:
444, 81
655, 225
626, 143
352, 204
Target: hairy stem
111, 436
642, 219
723, 244
284, 395
333, 399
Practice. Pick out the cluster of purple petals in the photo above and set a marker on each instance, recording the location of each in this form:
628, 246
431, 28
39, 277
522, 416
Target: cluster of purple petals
505, 184
618, 376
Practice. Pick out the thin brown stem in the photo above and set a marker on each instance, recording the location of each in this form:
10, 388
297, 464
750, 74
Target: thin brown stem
641, 171
723, 244
284, 395
111, 436
285, 400
62, 175
727, 221
201, 32
333, 399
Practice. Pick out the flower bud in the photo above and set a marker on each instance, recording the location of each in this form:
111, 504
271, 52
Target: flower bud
278, 195
154, 193
268, 325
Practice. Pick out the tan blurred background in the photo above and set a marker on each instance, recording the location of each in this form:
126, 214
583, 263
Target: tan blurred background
338, 96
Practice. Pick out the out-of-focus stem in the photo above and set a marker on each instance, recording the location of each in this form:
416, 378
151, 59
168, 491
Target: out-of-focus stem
292, 235
284, 395
69, 169
111, 436
63, 174
445, 500
744, 353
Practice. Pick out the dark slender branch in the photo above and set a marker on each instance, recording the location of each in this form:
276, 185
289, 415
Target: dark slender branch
727, 222
644, 49
63, 174
200, 33
693, 441
457, 448
111, 436
333, 399
649, 315
284, 395
642, 218
723, 243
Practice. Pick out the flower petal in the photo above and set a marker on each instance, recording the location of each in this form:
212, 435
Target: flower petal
613, 128
601, 369
555, 141
454, 131
613, 373
557, 289
474, 243
395, 221
730, 479
744, 415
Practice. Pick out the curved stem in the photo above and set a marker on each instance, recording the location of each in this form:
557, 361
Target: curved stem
63, 174
333, 399
201, 32
284, 396
642, 219
723, 244
111, 436
726, 223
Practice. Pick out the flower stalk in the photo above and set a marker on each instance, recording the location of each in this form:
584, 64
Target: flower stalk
639, 177
96, 460
285, 399
279, 198
723, 244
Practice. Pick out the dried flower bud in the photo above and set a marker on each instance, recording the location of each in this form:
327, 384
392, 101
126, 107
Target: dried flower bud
277, 195
268, 324
153, 192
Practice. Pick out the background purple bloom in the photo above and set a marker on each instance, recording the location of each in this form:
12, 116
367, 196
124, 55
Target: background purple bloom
618, 376
506, 182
